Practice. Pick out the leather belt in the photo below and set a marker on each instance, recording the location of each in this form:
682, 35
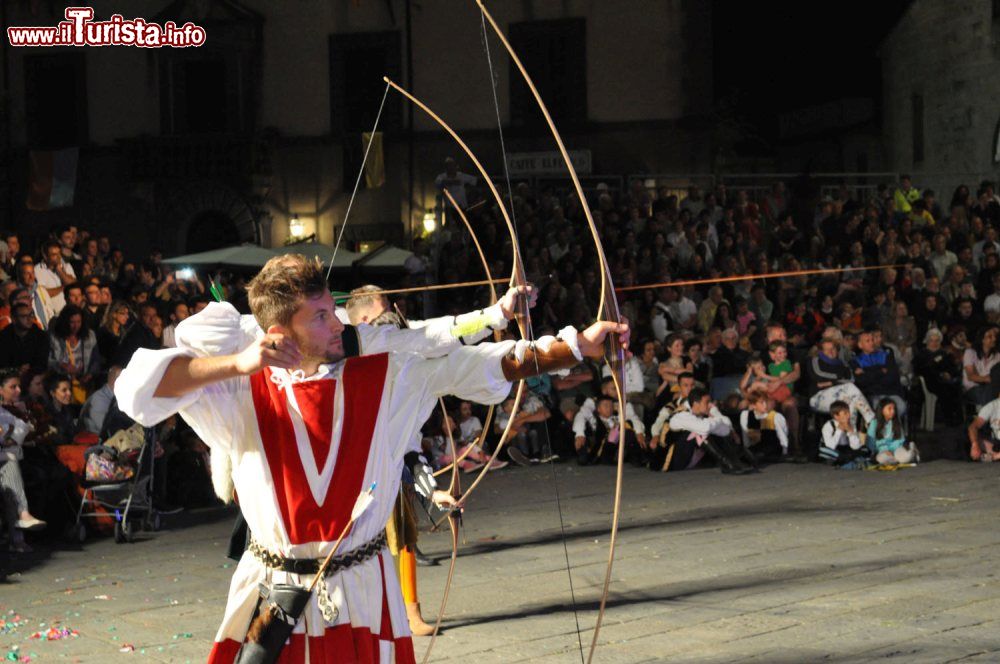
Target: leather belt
311, 565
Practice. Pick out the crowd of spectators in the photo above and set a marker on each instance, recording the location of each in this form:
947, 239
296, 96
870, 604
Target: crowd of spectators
751, 369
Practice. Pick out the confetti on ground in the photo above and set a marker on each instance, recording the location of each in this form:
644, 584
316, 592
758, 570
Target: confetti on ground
127, 647
14, 655
104, 597
183, 635
10, 622
55, 634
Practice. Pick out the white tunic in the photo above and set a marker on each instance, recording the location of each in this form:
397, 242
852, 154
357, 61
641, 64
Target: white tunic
301, 451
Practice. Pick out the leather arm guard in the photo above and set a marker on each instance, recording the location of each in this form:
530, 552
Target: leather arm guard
536, 361
423, 474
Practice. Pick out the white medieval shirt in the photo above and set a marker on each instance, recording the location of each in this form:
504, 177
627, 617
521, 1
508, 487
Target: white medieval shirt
302, 449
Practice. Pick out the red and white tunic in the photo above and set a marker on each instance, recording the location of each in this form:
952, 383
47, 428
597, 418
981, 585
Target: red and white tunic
302, 449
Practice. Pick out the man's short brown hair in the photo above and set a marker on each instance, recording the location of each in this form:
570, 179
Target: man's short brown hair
363, 296
278, 290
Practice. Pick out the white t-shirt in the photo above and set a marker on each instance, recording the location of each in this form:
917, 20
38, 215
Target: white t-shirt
470, 429
991, 413
982, 366
50, 279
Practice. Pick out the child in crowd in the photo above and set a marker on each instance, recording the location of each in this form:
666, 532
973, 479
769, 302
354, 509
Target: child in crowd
746, 320
470, 431
886, 438
528, 443
765, 431
841, 443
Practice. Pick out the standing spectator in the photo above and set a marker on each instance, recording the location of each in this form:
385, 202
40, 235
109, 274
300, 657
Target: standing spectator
905, 196
54, 274
455, 182
178, 312
40, 302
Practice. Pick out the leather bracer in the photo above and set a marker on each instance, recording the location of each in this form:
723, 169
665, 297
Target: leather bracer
537, 361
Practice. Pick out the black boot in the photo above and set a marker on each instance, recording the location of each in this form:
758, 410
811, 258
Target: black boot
728, 464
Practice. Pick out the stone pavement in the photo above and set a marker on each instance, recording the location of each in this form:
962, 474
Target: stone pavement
796, 564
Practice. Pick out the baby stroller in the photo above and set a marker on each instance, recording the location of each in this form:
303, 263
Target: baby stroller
118, 479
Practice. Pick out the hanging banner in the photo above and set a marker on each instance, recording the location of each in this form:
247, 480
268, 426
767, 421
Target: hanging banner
548, 163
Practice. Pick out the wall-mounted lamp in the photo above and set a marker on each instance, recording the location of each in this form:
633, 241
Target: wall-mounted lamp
430, 221
296, 229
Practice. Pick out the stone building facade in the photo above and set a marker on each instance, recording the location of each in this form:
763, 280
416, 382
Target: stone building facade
939, 71
187, 147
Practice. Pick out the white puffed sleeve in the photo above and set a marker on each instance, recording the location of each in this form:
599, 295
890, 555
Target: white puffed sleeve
215, 331
432, 338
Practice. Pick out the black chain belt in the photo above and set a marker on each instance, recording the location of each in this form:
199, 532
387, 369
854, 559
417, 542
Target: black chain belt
311, 565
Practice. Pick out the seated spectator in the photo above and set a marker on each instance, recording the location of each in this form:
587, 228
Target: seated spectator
701, 364
728, 365
470, 433
58, 388
900, 329
840, 443
113, 328
702, 429
941, 375
22, 343
832, 381
983, 441
649, 364
876, 373
784, 373
528, 443
142, 334
96, 408
676, 363
977, 363
13, 432
765, 431
887, 439
658, 447
635, 384
73, 351
599, 432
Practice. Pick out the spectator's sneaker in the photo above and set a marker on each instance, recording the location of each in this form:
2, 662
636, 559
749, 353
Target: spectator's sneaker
549, 458
469, 466
30, 524
498, 464
518, 457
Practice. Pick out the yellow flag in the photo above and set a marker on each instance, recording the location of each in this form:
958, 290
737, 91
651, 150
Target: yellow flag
375, 166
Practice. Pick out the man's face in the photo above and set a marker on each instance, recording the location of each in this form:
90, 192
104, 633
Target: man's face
965, 309
703, 406
866, 342
66, 239
317, 330
776, 334
14, 244
685, 385
604, 408
74, 296
26, 274
181, 312
149, 317
730, 341
93, 295
23, 317
53, 257
368, 313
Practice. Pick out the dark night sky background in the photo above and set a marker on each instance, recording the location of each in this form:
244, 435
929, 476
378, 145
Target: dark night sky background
783, 55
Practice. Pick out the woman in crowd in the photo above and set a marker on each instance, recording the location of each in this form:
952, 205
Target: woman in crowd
941, 374
113, 328
59, 389
73, 351
976, 365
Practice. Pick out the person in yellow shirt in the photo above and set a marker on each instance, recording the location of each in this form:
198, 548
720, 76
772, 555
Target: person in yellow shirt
905, 196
